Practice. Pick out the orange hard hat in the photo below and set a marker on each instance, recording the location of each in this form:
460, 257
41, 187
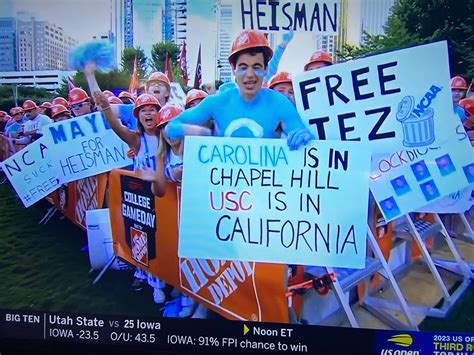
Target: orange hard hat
126, 94
319, 56
60, 101
2, 114
76, 96
249, 39
143, 100
279, 78
158, 76
468, 105
458, 82
167, 113
15, 110
108, 93
194, 94
46, 104
29, 105
58, 109
114, 100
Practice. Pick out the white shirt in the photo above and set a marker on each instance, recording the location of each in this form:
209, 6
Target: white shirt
37, 123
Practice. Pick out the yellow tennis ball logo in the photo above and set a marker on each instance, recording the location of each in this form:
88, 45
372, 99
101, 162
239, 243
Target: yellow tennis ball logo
404, 340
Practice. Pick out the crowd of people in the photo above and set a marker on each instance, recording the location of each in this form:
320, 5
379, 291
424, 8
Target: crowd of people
259, 103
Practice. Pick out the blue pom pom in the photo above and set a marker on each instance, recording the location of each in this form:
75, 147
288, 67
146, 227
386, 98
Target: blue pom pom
98, 52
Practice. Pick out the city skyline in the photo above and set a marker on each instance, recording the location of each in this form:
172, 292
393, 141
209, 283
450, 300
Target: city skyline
93, 18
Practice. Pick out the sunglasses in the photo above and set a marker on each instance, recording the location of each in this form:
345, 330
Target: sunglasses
79, 105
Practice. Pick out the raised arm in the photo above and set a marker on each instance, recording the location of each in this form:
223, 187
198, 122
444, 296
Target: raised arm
110, 112
128, 136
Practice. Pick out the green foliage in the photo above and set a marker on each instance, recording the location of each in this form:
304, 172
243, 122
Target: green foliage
107, 81
128, 58
23, 93
422, 21
158, 55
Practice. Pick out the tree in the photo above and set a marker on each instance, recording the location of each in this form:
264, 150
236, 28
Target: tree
7, 101
422, 21
113, 81
158, 55
128, 58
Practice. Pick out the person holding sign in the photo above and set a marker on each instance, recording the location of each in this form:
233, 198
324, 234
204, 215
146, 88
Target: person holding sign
248, 110
143, 143
13, 128
34, 126
169, 167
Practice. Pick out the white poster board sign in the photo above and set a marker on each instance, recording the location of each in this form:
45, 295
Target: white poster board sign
255, 200
383, 99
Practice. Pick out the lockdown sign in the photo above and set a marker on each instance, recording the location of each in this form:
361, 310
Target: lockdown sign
316, 16
85, 146
384, 99
408, 180
265, 203
32, 172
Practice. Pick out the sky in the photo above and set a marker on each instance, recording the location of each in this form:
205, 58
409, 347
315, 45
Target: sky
83, 19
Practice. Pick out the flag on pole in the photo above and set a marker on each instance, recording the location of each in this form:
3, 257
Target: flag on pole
132, 88
168, 71
70, 83
183, 65
198, 74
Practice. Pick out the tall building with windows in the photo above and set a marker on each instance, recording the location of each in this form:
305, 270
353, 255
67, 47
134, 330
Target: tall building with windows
8, 44
127, 20
42, 45
147, 21
168, 26
329, 43
361, 16
374, 15
224, 39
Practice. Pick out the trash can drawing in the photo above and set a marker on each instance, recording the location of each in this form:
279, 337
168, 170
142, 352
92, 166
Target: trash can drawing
417, 131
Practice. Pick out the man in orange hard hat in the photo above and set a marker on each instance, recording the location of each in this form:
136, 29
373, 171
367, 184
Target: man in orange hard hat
248, 110
34, 127
194, 97
282, 83
80, 102
318, 59
458, 90
60, 113
60, 101
127, 98
159, 86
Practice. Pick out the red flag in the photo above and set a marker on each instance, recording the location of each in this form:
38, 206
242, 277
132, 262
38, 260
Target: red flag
70, 83
198, 74
168, 71
183, 64
132, 88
